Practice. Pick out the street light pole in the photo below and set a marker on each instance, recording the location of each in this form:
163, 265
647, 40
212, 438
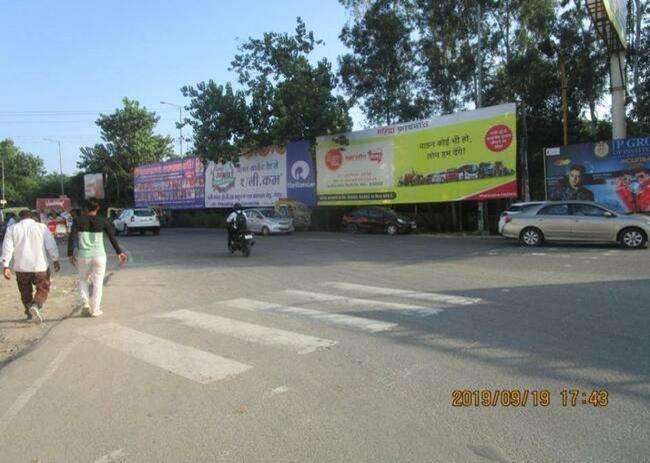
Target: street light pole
58, 142
180, 123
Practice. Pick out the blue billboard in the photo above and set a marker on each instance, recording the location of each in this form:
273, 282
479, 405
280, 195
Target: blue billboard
614, 173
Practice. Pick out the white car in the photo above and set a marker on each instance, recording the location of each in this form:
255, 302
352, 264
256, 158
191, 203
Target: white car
267, 221
515, 209
137, 220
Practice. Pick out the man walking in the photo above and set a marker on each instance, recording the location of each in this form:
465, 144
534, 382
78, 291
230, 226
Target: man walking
30, 243
88, 234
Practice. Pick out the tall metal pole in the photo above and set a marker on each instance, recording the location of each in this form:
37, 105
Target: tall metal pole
565, 121
180, 123
479, 96
61, 169
180, 127
58, 142
4, 201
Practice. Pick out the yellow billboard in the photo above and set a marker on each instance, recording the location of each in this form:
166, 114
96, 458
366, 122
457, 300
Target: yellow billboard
464, 156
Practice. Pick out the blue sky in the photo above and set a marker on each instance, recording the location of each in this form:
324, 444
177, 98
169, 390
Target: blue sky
62, 63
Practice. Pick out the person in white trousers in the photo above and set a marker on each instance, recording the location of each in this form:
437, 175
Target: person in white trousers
88, 234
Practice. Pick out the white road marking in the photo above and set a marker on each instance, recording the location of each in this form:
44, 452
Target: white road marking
366, 303
363, 324
111, 457
26, 396
379, 291
276, 391
288, 340
194, 364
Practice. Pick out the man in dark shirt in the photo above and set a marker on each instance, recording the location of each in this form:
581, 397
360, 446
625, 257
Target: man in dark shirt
88, 234
574, 190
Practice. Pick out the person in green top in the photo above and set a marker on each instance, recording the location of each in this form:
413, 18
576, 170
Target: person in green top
88, 235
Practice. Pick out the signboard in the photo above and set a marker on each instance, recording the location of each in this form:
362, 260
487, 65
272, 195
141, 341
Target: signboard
610, 19
614, 173
176, 184
94, 186
262, 177
464, 156
53, 205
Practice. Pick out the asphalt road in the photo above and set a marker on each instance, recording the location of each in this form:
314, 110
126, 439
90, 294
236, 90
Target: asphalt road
339, 348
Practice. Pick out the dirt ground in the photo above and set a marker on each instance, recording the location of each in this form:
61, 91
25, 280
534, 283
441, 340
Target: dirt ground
16, 333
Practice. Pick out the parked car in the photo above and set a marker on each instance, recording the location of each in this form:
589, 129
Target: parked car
137, 220
515, 209
577, 221
469, 172
267, 221
377, 219
452, 175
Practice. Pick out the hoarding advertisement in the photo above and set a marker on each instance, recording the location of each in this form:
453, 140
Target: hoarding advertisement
94, 186
464, 156
614, 173
176, 184
262, 177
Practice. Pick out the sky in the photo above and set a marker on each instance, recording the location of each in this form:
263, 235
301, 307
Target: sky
63, 63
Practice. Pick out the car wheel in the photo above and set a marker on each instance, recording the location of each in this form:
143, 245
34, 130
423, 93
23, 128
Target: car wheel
633, 238
266, 231
352, 228
392, 229
531, 237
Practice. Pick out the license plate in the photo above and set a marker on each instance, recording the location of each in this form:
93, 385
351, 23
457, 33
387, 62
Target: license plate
413, 226
248, 237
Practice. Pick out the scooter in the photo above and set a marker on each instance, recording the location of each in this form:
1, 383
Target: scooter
241, 242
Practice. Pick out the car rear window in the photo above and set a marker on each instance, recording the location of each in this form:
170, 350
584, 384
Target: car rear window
144, 213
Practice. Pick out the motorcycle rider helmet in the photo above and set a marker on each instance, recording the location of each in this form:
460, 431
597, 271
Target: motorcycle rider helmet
237, 207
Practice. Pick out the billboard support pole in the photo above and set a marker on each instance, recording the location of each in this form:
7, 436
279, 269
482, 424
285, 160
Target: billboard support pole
617, 76
565, 111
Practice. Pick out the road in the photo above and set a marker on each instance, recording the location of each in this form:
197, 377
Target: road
331, 347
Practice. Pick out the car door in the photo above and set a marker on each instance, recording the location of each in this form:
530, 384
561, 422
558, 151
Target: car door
120, 223
376, 220
254, 221
556, 222
592, 223
361, 219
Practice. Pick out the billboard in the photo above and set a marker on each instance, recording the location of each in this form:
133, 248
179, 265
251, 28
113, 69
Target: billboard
463, 156
176, 184
262, 177
614, 173
610, 19
94, 186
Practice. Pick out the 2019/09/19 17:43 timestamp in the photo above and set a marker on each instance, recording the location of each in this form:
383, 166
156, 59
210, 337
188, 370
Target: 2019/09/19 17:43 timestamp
528, 397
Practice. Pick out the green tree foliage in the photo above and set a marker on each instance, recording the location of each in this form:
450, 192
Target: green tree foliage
22, 174
381, 72
220, 119
128, 141
641, 104
285, 96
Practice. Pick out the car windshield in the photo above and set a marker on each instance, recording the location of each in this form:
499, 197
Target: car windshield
144, 213
270, 213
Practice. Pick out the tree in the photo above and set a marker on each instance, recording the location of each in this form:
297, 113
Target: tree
289, 97
641, 105
22, 174
381, 72
129, 141
220, 119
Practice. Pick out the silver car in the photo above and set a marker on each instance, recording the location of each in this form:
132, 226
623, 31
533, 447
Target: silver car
267, 221
577, 221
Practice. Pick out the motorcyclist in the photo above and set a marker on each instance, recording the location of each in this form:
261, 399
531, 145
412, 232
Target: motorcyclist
236, 222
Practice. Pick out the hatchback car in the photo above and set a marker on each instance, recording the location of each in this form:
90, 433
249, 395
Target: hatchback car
137, 220
377, 219
267, 222
577, 221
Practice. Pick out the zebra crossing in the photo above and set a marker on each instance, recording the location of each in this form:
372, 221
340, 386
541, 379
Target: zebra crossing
308, 306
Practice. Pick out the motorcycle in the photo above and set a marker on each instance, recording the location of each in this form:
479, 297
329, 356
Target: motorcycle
241, 241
